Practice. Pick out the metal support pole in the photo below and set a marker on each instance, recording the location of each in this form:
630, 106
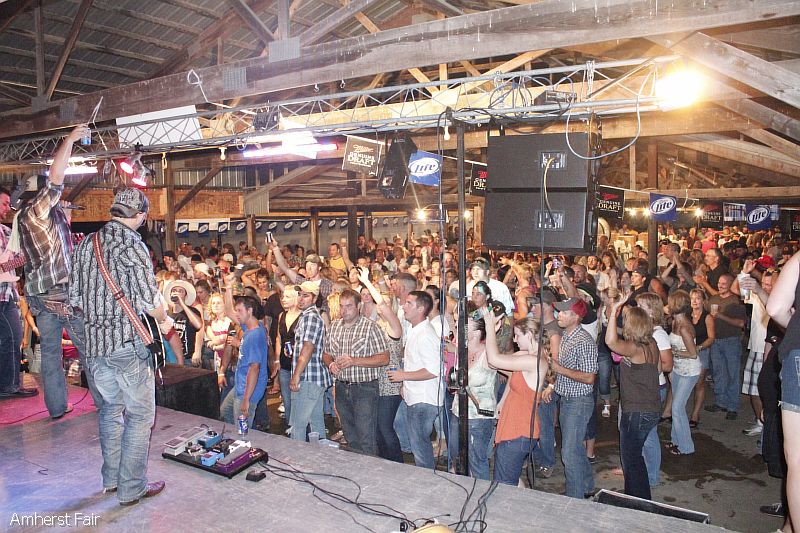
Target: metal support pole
462, 464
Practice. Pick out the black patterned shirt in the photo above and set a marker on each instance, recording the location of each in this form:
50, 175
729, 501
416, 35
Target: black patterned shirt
106, 324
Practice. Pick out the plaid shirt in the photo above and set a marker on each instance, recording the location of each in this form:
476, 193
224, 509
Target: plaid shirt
8, 291
45, 240
578, 351
362, 339
311, 328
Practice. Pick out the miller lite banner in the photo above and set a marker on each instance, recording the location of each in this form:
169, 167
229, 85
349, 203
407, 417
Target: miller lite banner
362, 155
610, 202
663, 208
240, 226
758, 217
712, 215
425, 168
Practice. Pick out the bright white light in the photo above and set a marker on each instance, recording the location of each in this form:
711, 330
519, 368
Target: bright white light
632, 211
679, 89
222, 153
645, 212
421, 214
467, 214
306, 150
446, 132
126, 167
140, 180
698, 212
80, 169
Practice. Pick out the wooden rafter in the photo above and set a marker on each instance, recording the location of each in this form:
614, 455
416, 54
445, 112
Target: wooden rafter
11, 10
199, 186
783, 39
252, 20
445, 7
429, 43
747, 153
779, 144
14, 94
762, 114
332, 21
38, 28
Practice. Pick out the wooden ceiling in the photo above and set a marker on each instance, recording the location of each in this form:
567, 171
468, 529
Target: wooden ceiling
58, 57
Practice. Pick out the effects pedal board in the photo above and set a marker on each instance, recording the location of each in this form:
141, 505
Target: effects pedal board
205, 449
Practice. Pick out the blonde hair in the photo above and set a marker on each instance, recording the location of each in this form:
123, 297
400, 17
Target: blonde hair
679, 302
208, 305
334, 307
654, 304
532, 326
637, 326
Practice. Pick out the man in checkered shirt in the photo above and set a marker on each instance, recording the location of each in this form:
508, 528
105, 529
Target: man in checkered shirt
356, 349
576, 370
310, 379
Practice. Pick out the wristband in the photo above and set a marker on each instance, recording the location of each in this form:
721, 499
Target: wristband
168, 335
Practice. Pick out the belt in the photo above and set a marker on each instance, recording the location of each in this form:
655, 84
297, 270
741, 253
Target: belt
346, 382
57, 288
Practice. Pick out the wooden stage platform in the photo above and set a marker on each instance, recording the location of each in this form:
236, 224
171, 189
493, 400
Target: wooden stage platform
52, 469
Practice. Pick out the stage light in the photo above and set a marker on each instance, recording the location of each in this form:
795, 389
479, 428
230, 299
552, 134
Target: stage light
137, 171
646, 212
421, 215
446, 132
679, 88
222, 150
76, 170
698, 212
467, 214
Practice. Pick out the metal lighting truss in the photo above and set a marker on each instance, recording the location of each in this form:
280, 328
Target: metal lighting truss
476, 100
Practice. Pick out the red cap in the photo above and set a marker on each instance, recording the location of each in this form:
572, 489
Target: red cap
576, 305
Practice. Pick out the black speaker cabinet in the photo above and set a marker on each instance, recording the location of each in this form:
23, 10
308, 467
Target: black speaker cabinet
394, 175
188, 389
516, 218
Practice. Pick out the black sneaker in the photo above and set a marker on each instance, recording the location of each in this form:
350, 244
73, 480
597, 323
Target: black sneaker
731, 415
714, 408
776, 509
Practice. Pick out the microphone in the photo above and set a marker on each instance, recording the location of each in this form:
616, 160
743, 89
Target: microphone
68, 205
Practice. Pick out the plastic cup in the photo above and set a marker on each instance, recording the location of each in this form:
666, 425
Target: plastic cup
714, 308
745, 293
313, 437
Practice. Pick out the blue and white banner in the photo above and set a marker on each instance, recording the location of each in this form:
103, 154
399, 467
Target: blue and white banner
287, 226
304, 225
258, 225
223, 227
202, 229
240, 226
272, 226
663, 208
183, 229
425, 168
758, 217
332, 223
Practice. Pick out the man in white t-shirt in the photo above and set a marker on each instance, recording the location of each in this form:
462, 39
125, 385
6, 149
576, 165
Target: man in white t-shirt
422, 387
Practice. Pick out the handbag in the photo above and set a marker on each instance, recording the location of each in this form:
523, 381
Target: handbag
119, 296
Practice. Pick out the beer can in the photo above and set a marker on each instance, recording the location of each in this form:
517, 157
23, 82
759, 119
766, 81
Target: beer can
288, 349
86, 140
242, 425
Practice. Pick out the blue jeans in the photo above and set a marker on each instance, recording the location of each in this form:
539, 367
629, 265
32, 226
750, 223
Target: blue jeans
284, 377
682, 387
307, 410
10, 340
231, 409
509, 456
633, 430
127, 413
420, 417
604, 375
480, 438
388, 443
652, 447
401, 427
545, 453
50, 332
574, 417
790, 381
726, 363
357, 404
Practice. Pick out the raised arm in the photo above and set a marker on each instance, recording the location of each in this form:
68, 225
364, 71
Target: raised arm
384, 309
781, 300
281, 262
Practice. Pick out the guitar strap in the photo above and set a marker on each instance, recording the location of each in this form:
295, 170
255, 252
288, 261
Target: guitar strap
120, 297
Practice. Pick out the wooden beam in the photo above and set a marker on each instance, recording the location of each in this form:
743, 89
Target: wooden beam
445, 7
652, 165
372, 202
762, 194
333, 21
78, 189
11, 10
17, 96
503, 31
779, 144
169, 213
746, 153
69, 45
283, 30
736, 64
252, 20
769, 118
199, 186
781, 39
38, 28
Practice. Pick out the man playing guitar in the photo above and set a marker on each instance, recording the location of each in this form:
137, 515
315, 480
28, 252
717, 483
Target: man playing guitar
10, 326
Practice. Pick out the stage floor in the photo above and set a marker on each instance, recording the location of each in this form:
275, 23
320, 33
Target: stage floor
52, 468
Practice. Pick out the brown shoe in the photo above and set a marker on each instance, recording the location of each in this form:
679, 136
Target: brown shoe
153, 489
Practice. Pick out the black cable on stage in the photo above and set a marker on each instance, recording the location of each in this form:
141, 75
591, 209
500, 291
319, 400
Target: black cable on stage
42, 411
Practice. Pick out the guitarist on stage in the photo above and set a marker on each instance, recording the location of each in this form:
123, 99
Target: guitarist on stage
46, 241
10, 326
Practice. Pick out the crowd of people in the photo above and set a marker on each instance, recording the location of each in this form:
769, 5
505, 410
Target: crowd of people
371, 340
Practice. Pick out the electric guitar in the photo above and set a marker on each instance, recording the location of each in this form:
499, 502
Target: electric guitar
9, 265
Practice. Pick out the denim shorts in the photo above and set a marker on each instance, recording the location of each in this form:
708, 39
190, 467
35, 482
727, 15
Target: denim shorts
790, 382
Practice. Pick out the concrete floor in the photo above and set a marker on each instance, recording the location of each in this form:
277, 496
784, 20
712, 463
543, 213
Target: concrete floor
726, 477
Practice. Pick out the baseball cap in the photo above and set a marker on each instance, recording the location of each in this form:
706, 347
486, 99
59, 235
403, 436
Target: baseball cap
576, 305
309, 287
641, 270
129, 202
313, 258
203, 269
480, 262
765, 262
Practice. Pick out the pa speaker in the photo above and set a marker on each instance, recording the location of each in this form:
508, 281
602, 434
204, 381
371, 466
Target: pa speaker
394, 175
540, 193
